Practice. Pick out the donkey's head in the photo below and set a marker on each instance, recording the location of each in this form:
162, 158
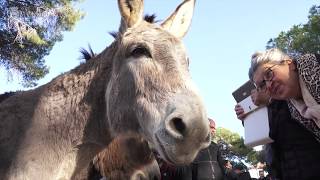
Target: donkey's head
150, 89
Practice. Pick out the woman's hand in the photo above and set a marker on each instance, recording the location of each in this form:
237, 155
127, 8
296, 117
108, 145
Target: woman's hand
260, 98
239, 112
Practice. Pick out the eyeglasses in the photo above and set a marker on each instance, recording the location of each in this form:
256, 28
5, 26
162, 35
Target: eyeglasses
267, 76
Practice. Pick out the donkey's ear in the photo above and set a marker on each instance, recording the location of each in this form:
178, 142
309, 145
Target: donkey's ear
178, 23
131, 12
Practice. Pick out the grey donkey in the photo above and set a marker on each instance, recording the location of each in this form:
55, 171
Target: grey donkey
140, 83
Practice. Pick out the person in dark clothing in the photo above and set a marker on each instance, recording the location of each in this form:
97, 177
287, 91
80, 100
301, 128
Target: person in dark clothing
241, 172
209, 164
295, 150
171, 172
230, 174
244, 176
273, 165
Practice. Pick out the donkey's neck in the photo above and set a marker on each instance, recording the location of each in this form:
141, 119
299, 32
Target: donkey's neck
80, 96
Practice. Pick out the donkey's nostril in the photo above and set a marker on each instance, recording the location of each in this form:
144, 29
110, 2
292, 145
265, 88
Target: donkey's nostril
179, 125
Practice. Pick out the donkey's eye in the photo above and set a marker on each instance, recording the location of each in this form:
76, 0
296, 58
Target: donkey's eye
140, 51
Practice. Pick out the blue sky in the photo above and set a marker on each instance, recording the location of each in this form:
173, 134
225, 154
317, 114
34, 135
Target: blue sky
220, 41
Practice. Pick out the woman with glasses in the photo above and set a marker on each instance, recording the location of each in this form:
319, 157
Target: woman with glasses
281, 82
296, 80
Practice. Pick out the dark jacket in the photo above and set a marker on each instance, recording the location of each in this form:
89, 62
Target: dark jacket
209, 164
171, 172
230, 175
244, 176
296, 152
178, 173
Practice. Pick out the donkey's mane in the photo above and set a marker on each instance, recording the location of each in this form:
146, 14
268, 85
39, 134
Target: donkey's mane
148, 18
114, 34
6, 95
87, 54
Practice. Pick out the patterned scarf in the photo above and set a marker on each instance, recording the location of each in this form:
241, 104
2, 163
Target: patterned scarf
309, 72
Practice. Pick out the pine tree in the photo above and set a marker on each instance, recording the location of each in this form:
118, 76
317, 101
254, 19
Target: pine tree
28, 31
300, 39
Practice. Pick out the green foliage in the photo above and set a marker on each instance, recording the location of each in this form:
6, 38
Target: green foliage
254, 157
33, 37
232, 146
29, 30
226, 135
303, 38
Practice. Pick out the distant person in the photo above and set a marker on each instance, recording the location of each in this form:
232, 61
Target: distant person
230, 174
209, 164
241, 172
